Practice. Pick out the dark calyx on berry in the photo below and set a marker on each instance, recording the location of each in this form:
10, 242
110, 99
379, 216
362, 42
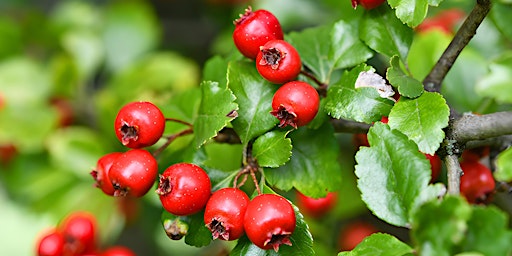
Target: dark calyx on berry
243, 17
278, 239
164, 186
218, 230
119, 191
285, 117
129, 133
272, 57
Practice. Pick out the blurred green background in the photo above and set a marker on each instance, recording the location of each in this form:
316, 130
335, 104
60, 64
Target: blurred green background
66, 67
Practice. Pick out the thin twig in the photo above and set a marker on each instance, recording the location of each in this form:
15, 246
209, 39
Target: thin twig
322, 87
170, 139
178, 121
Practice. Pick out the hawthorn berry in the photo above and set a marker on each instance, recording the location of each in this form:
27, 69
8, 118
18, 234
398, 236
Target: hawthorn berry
444, 21
139, 124
133, 173
254, 29
278, 62
435, 166
367, 4
224, 213
295, 103
315, 207
80, 232
477, 183
269, 221
51, 243
354, 233
184, 189
100, 173
118, 250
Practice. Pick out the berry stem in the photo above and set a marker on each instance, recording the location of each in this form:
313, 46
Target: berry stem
178, 121
322, 87
170, 139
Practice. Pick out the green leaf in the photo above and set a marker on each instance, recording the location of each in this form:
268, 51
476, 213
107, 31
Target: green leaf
215, 69
361, 104
385, 33
439, 225
198, 234
422, 120
302, 242
500, 15
380, 244
215, 111
343, 48
498, 83
504, 166
425, 51
391, 173
254, 98
488, 226
407, 86
86, 49
313, 168
130, 29
411, 12
272, 149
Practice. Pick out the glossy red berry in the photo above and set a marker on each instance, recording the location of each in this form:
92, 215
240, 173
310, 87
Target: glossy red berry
444, 21
367, 4
295, 103
80, 232
139, 124
435, 166
51, 243
316, 207
100, 173
354, 233
224, 213
477, 183
254, 29
184, 189
133, 173
118, 250
269, 221
278, 62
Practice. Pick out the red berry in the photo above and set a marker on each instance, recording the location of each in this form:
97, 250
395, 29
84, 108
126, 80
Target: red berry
367, 4
475, 154
133, 173
444, 21
254, 29
295, 103
224, 213
435, 166
269, 221
477, 183
64, 109
118, 250
278, 62
139, 124
51, 244
100, 173
353, 234
184, 189
316, 207
80, 232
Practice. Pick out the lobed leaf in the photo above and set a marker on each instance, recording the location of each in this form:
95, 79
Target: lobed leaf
380, 244
362, 104
217, 105
254, 98
407, 86
272, 149
422, 119
411, 12
392, 174
313, 168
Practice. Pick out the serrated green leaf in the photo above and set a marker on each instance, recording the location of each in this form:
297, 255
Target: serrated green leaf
411, 12
344, 48
302, 242
422, 120
380, 244
361, 104
272, 149
504, 166
313, 168
391, 173
254, 97
488, 226
407, 86
439, 225
215, 69
498, 83
217, 105
385, 33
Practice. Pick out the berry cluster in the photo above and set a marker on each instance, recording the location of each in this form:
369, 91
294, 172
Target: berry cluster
77, 234
258, 36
